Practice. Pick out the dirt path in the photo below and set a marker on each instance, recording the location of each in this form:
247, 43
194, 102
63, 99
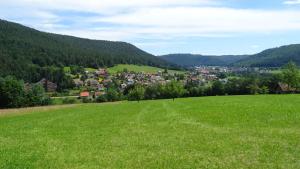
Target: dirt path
4, 112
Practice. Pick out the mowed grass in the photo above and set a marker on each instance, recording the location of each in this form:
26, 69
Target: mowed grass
67, 69
136, 68
229, 132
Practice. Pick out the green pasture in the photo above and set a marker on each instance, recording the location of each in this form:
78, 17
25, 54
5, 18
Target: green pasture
230, 132
137, 68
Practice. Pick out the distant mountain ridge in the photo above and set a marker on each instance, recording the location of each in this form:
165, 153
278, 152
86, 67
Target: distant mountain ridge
197, 60
22, 48
275, 57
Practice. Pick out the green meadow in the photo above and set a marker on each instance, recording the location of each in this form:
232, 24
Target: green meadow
230, 132
136, 68
68, 69
131, 68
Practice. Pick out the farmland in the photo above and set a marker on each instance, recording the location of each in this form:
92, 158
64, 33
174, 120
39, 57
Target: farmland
137, 68
209, 132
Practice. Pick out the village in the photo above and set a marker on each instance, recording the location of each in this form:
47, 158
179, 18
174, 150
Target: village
92, 84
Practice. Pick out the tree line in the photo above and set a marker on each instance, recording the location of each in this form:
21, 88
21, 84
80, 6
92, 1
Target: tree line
13, 94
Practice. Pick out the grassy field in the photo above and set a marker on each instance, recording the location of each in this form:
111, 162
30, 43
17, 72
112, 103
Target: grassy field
210, 132
68, 69
136, 68
276, 71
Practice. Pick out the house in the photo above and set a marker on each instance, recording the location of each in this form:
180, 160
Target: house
224, 81
97, 94
93, 83
123, 86
48, 86
196, 80
284, 88
101, 72
84, 95
106, 82
78, 82
27, 86
100, 87
204, 71
130, 81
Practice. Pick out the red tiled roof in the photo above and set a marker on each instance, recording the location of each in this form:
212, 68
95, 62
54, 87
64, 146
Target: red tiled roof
84, 94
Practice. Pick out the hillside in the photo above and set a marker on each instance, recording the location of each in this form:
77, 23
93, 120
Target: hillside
24, 50
137, 68
197, 60
227, 132
275, 57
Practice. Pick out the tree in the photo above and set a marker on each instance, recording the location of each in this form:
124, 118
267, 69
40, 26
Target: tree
76, 69
154, 91
84, 77
165, 71
137, 93
272, 82
11, 92
112, 95
222, 75
236, 86
291, 75
218, 88
264, 90
252, 84
65, 83
174, 90
36, 96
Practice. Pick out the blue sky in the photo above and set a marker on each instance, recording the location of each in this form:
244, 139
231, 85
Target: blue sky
167, 26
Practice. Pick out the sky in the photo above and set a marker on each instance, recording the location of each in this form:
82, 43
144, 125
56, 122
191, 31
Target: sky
213, 27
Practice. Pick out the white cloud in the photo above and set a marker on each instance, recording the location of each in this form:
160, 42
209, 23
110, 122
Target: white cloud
292, 2
210, 21
162, 23
103, 6
148, 19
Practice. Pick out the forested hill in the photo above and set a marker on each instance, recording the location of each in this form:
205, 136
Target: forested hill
275, 57
24, 50
197, 60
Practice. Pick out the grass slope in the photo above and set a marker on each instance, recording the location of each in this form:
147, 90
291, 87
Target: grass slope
137, 68
212, 132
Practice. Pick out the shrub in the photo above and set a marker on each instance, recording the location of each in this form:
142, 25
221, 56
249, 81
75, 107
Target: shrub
101, 99
69, 100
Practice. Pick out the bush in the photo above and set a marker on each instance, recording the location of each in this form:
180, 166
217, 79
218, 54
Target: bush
69, 100
87, 100
138, 93
101, 99
112, 95
36, 96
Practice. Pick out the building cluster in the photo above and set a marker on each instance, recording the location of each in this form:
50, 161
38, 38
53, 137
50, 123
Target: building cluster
99, 81
96, 83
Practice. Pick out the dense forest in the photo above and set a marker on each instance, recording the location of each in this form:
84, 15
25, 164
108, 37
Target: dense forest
275, 57
26, 53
